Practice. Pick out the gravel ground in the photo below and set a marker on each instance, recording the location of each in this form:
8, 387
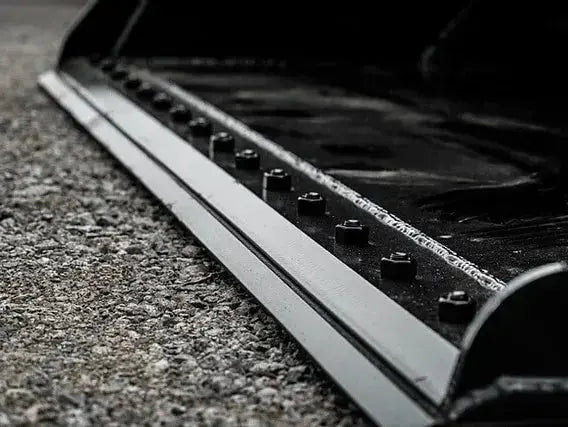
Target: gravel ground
110, 312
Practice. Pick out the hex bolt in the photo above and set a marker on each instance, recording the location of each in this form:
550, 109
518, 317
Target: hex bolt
399, 266
108, 65
200, 127
132, 82
180, 114
145, 92
162, 101
119, 73
456, 307
352, 232
311, 203
277, 180
247, 159
222, 142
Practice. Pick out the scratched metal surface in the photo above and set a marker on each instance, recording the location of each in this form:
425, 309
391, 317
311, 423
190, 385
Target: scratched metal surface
409, 152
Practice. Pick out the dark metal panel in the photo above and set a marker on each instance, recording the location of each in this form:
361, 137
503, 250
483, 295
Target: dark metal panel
526, 344
98, 28
484, 278
373, 391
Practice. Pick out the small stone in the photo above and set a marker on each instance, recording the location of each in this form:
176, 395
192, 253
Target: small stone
4, 420
100, 349
220, 383
295, 373
105, 221
266, 367
8, 223
5, 214
178, 409
19, 396
67, 399
267, 393
190, 251
161, 365
38, 412
135, 250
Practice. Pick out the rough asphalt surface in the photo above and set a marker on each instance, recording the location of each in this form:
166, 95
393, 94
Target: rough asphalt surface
110, 312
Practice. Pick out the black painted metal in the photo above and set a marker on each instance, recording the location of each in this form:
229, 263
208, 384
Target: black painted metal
99, 27
457, 170
515, 400
513, 361
517, 333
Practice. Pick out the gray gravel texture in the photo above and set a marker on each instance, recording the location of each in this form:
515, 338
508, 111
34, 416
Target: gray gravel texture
110, 312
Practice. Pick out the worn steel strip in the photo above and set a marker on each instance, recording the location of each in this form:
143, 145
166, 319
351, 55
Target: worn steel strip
482, 277
423, 357
383, 401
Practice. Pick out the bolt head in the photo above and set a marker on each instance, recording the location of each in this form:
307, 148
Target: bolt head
456, 307
277, 180
180, 114
222, 142
107, 65
200, 127
458, 296
312, 204
145, 92
162, 101
247, 159
119, 73
352, 232
400, 256
399, 266
132, 82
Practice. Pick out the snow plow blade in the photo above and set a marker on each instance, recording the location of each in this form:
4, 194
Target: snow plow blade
345, 167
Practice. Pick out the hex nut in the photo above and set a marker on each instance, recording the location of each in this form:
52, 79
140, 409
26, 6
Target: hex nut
277, 180
399, 266
107, 65
352, 232
162, 101
222, 142
119, 73
247, 159
200, 127
132, 82
311, 204
180, 114
456, 307
145, 92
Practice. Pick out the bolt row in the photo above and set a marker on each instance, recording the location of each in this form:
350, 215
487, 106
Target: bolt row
455, 307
